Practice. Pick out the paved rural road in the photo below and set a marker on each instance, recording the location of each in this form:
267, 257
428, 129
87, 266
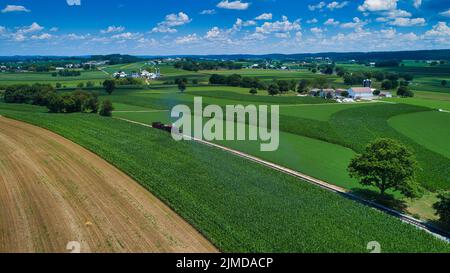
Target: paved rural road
329, 187
53, 191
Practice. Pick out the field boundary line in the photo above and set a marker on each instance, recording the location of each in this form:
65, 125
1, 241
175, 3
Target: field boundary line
438, 233
101, 69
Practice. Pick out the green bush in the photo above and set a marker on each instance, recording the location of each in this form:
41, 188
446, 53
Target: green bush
106, 108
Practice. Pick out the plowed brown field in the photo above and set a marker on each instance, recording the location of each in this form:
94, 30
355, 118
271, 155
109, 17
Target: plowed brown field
53, 192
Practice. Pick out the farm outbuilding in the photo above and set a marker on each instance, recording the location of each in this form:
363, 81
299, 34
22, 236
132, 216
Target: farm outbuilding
360, 93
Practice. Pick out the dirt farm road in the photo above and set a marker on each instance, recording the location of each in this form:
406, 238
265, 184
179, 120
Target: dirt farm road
53, 192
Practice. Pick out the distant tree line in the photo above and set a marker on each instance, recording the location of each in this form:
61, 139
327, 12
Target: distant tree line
73, 102
116, 59
67, 73
238, 81
29, 94
191, 65
388, 63
45, 95
128, 81
274, 88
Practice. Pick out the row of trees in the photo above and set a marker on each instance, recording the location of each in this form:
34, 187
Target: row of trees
46, 95
359, 77
302, 87
191, 65
29, 94
274, 88
129, 81
238, 80
73, 102
67, 73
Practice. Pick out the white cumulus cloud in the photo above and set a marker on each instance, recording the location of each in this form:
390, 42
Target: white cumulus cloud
208, 12
319, 5
34, 27
417, 3
445, 13
74, 2
171, 21
43, 36
14, 8
331, 22
264, 16
188, 39
112, 29
337, 5
356, 24
237, 5
439, 30
282, 26
408, 22
378, 5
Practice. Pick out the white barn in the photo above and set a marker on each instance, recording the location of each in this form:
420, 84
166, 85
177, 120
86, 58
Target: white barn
360, 93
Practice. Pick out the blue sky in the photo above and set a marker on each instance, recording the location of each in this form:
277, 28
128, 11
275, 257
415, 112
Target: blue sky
166, 27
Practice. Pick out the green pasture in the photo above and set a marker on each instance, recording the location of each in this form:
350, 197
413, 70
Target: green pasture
269, 74
433, 100
429, 129
97, 77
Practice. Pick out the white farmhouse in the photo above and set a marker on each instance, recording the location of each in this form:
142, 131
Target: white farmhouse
149, 75
120, 74
360, 93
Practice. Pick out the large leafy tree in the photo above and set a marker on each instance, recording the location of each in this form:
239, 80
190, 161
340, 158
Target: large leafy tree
274, 89
106, 108
303, 86
109, 86
182, 86
386, 164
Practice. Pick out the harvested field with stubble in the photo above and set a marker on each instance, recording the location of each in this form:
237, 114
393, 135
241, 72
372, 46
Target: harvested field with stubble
53, 191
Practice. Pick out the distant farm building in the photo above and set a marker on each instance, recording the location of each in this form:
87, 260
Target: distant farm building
327, 93
151, 76
360, 93
120, 74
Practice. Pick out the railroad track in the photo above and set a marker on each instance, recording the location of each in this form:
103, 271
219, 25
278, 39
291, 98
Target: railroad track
441, 234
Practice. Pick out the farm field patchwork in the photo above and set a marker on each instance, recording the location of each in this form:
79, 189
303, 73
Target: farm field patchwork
317, 158
342, 126
239, 205
350, 126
